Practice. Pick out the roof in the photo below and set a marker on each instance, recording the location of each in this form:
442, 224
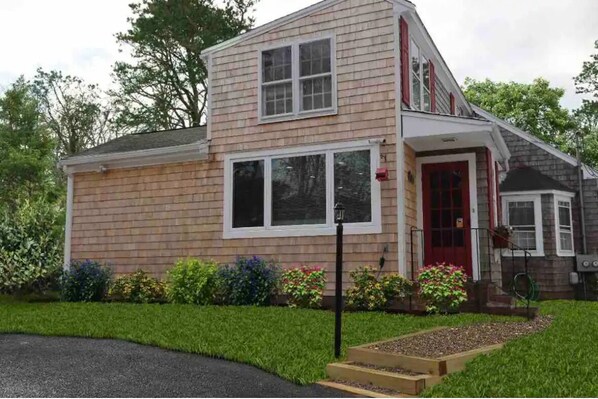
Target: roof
148, 141
588, 171
529, 179
285, 20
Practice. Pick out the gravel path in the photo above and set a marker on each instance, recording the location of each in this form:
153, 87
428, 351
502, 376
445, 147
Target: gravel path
453, 340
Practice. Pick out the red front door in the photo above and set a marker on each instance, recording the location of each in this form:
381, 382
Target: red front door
447, 234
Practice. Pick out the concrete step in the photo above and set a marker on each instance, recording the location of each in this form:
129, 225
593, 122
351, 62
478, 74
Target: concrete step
411, 385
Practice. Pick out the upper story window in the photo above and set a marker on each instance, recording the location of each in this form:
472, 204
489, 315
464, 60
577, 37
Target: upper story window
421, 98
564, 226
298, 80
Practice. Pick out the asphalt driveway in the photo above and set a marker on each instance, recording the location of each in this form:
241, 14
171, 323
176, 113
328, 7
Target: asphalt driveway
32, 366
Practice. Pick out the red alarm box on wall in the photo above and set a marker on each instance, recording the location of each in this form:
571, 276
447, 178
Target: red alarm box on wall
382, 174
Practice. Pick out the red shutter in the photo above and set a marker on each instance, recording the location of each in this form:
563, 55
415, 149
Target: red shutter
405, 61
432, 87
453, 108
491, 182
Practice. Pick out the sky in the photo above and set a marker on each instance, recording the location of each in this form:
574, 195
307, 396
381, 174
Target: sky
506, 40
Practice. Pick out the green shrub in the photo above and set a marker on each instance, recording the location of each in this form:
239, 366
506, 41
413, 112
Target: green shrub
137, 288
31, 248
442, 286
86, 281
192, 281
304, 286
250, 281
371, 293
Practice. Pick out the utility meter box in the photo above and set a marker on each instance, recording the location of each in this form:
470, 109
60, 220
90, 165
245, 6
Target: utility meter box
587, 263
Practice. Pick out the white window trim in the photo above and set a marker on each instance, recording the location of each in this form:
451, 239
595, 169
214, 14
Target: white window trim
373, 227
420, 78
297, 114
537, 200
557, 223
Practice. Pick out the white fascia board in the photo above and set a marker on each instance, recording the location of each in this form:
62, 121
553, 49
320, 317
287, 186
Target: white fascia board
282, 21
588, 172
155, 156
565, 194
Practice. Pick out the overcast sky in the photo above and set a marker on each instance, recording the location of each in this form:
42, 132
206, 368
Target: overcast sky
502, 40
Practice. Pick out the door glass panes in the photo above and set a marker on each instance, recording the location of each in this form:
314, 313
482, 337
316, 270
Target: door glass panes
522, 220
248, 194
353, 186
299, 190
446, 201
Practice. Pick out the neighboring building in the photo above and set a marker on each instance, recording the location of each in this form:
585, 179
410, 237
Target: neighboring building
540, 199
303, 113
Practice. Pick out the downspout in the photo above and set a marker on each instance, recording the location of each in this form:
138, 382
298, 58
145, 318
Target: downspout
69, 218
581, 199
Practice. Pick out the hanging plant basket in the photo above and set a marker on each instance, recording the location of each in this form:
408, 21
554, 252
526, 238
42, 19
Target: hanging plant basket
500, 242
501, 237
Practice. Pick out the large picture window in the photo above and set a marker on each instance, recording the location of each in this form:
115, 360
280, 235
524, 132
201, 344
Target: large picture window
298, 80
524, 215
290, 194
564, 226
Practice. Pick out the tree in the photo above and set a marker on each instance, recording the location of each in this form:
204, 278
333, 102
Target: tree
26, 147
534, 108
586, 118
165, 86
73, 110
587, 81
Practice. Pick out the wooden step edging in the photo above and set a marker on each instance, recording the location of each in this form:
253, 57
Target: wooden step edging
362, 393
408, 384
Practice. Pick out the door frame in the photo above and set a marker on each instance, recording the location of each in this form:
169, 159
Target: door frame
470, 157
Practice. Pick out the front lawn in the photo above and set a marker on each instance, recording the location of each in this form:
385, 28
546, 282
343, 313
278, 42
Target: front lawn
293, 343
297, 344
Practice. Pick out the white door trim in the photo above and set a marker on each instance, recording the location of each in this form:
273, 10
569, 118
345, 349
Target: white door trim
470, 157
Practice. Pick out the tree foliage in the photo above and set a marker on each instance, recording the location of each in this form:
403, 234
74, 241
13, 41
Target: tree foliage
75, 112
534, 108
26, 147
165, 86
587, 81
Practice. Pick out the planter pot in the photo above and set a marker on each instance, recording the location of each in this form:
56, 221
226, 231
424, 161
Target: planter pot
500, 242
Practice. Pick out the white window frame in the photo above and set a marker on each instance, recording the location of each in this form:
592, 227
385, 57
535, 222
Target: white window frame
557, 223
537, 200
373, 227
422, 56
296, 81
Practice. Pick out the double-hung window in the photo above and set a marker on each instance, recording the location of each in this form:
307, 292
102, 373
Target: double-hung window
293, 192
298, 80
564, 226
524, 215
421, 98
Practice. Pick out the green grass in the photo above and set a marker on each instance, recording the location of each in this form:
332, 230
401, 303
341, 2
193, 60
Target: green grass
558, 362
292, 343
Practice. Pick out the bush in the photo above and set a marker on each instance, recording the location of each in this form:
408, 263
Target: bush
251, 281
30, 248
192, 281
304, 286
137, 288
442, 286
371, 293
86, 281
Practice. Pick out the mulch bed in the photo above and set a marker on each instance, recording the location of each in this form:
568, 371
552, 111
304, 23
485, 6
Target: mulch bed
397, 370
453, 340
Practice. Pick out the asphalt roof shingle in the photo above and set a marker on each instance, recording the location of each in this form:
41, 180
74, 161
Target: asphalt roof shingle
529, 179
148, 141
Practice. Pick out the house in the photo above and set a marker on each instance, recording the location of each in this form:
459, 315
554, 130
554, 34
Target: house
304, 112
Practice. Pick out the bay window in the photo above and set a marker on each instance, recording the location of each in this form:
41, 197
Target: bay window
524, 215
297, 80
293, 192
564, 226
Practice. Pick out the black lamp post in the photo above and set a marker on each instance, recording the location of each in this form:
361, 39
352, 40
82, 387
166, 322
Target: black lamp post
339, 216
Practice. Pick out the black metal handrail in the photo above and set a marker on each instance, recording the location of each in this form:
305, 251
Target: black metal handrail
489, 238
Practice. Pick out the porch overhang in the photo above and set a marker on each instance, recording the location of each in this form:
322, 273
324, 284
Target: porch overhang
432, 132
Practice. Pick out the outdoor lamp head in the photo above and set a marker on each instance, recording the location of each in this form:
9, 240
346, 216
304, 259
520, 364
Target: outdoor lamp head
339, 213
